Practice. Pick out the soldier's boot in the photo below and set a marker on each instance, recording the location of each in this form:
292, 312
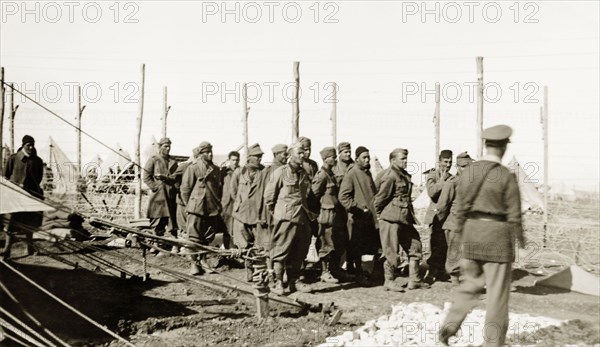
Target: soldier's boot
195, 269
8, 242
278, 274
360, 277
300, 286
326, 275
389, 276
205, 266
455, 279
415, 281
249, 271
30, 246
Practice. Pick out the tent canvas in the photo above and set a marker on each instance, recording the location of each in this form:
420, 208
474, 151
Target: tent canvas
64, 170
14, 199
530, 197
573, 278
422, 201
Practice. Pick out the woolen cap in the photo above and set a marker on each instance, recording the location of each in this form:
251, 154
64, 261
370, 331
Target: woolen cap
27, 139
463, 159
279, 148
295, 145
196, 151
327, 152
164, 141
359, 150
343, 146
255, 150
204, 147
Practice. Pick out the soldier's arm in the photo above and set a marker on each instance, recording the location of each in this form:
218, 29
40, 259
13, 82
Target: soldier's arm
445, 201
434, 188
461, 191
319, 185
346, 195
385, 193
234, 183
148, 175
187, 184
512, 196
10, 164
272, 190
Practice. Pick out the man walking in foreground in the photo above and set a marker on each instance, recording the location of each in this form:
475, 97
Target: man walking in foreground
489, 216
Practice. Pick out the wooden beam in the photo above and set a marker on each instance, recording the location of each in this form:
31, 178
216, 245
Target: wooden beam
296, 103
137, 208
479, 106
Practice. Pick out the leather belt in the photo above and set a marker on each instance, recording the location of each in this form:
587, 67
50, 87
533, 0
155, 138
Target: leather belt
486, 216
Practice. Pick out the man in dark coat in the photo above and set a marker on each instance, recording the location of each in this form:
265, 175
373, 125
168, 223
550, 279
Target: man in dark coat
356, 195
159, 176
286, 196
437, 240
25, 169
489, 216
181, 214
201, 191
446, 213
396, 217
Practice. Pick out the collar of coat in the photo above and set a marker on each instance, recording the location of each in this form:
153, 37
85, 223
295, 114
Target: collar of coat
401, 172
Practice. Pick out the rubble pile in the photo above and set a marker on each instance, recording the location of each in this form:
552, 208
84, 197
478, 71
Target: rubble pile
417, 324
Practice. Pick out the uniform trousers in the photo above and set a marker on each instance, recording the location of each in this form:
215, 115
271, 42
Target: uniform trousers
396, 235
496, 278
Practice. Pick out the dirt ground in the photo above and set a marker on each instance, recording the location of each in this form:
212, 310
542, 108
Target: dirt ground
165, 311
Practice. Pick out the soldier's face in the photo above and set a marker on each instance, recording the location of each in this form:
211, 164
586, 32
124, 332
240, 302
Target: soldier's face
364, 158
207, 156
164, 149
282, 157
345, 155
234, 161
307, 151
445, 163
254, 159
28, 148
331, 161
402, 160
297, 156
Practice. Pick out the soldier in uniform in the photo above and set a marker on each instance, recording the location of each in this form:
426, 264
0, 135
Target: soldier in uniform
356, 195
396, 217
309, 165
489, 215
232, 165
332, 222
181, 214
287, 195
437, 241
201, 191
25, 169
340, 169
280, 156
246, 186
159, 176
446, 213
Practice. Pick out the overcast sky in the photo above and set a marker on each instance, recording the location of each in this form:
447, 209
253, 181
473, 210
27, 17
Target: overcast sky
384, 56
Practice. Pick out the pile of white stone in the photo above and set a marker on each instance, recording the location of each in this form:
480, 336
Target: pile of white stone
418, 324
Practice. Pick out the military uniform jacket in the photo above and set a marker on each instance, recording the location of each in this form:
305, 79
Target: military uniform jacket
201, 189
287, 195
340, 170
161, 202
356, 193
434, 186
27, 172
265, 215
248, 192
499, 199
228, 197
393, 200
326, 189
178, 177
446, 205
311, 168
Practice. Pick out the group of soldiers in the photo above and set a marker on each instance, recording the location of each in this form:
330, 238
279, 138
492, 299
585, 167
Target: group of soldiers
278, 209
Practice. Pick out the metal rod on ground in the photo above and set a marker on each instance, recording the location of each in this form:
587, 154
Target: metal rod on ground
14, 339
89, 202
436, 121
27, 328
479, 124
6, 325
2, 91
31, 317
74, 310
137, 208
296, 103
545, 120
